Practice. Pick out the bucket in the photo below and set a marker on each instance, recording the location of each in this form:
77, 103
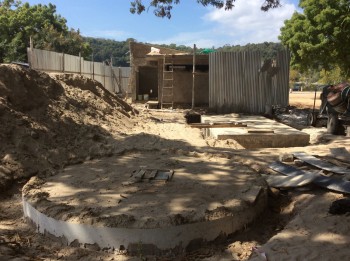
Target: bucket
139, 97
146, 97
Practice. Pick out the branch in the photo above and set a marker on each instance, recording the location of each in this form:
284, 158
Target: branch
162, 8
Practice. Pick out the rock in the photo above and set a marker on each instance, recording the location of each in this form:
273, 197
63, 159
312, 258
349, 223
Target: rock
5, 170
340, 206
34, 135
299, 163
273, 192
286, 158
92, 247
9, 158
22, 122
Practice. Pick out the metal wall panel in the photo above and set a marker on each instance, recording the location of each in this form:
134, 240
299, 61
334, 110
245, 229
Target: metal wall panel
114, 79
237, 84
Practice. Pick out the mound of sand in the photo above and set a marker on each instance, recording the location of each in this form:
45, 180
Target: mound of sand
49, 121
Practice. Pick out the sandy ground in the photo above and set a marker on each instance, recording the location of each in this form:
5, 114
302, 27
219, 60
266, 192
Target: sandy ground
295, 226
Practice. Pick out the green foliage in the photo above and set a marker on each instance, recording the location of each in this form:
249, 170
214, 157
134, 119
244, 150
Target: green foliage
319, 38
19, 22
294, 75
162, 8
309, 77
332, 77
104, 49
267, 49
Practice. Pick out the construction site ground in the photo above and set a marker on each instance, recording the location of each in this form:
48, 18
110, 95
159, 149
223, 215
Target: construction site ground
49, 123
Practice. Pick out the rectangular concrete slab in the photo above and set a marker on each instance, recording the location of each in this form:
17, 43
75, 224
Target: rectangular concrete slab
255, 135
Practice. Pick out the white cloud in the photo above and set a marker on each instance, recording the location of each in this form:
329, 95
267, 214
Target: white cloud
246, 23
201, 39
109, 34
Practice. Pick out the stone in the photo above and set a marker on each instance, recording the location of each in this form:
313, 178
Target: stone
286, 158
34, 135
299, 163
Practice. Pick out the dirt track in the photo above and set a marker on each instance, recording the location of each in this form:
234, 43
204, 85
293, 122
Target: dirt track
296, 226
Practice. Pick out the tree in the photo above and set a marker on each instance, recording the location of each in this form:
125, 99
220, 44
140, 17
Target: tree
19, 22
332, 77
319, 38
104, 49
268, 50
294, 75
162, 8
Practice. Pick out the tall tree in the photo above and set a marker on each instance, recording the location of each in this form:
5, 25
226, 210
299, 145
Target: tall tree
19, 22
162, 8
319, 38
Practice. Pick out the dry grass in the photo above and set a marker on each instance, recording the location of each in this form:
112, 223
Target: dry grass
304, 100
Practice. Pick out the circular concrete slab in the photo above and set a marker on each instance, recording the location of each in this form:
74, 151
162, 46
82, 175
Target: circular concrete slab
102, 202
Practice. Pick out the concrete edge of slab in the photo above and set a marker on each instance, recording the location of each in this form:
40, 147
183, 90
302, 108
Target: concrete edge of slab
164, 238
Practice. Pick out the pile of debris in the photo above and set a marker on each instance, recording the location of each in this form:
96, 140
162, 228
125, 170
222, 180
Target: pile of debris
292, 116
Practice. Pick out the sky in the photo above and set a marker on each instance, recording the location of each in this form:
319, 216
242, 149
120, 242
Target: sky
191, 23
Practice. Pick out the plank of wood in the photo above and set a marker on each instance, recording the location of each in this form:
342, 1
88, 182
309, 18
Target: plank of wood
338, 185
164, 175
139, 175
260, 131
150, 174
320, 163
217, 125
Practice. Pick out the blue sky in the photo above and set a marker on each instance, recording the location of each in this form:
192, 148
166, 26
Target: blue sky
190, 24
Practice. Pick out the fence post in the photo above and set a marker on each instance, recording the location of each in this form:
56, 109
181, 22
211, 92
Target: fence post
63, 62
120, 79
31, 53
93, 66
104, 75
193, 73
80, 63
112, 74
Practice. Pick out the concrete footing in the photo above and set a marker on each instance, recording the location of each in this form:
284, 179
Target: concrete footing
93, 203
159, 239
260, 132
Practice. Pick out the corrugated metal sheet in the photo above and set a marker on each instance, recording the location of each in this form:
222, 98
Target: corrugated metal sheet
114, 79
237, 84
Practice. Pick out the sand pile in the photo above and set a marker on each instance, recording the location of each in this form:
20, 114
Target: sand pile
48, 122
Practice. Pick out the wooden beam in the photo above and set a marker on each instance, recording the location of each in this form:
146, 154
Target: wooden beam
218, 125
260, 131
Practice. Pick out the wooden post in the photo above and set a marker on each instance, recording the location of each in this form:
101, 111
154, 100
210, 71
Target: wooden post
63, 62
104, 75
112, 78
93, 66
31, 53
80, 63
120, 78
193, 73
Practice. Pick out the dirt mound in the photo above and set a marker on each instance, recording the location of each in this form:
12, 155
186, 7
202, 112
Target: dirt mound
48, 122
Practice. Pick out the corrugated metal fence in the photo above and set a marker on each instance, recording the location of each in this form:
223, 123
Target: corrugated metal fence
114, 79
239, 82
